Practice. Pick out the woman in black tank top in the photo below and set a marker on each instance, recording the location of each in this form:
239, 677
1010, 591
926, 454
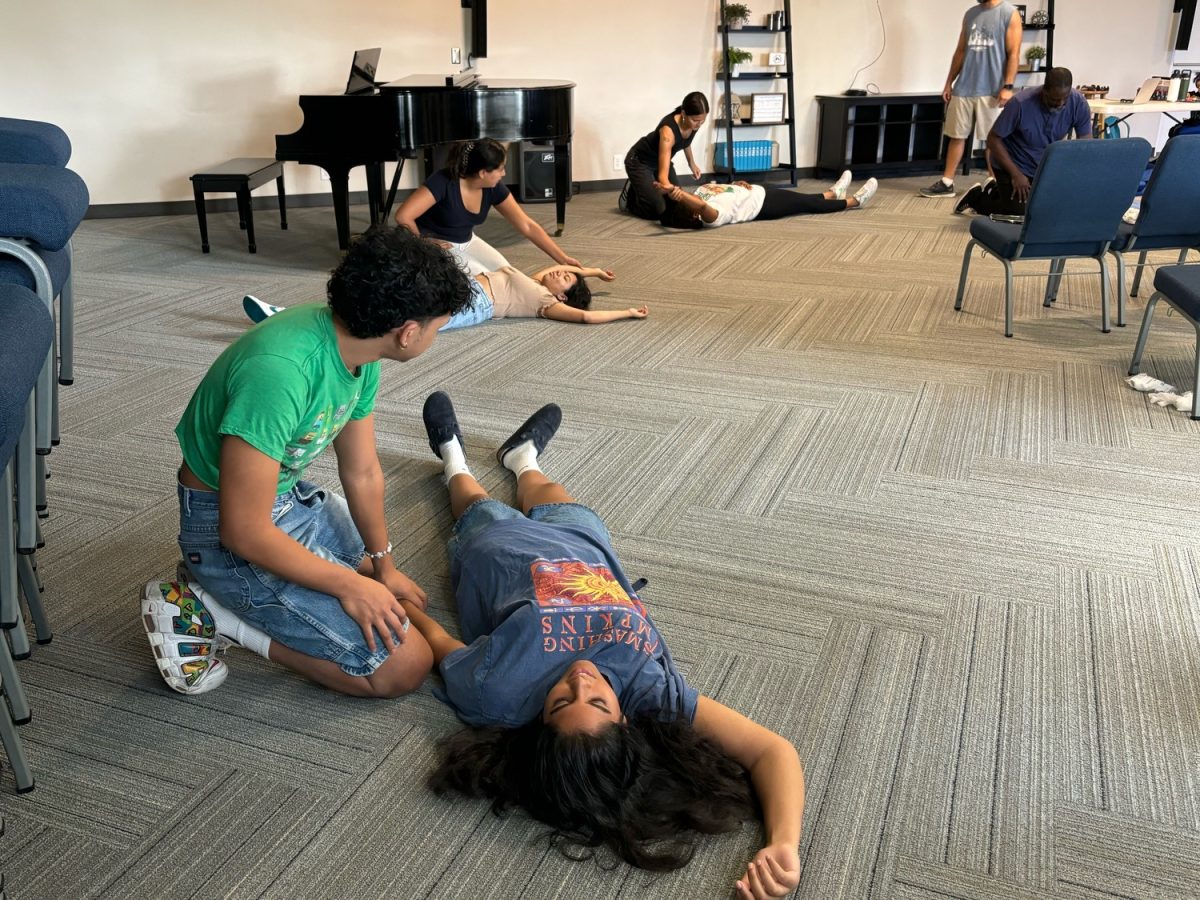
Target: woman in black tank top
649, 160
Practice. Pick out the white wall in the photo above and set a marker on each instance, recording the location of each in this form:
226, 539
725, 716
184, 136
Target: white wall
151, 92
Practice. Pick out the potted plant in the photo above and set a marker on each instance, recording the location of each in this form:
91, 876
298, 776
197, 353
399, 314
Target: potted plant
736, 15
736, 57
1034, 56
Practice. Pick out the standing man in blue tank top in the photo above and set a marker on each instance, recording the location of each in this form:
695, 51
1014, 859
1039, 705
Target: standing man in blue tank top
980, 82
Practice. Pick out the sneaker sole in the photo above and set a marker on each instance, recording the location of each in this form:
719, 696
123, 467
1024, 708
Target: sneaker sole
183, 637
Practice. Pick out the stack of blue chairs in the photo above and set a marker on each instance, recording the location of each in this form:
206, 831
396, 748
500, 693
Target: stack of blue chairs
42, 203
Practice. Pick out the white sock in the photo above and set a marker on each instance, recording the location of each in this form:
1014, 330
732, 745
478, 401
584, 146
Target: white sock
948, 182
521, 459
230, 626
454, 460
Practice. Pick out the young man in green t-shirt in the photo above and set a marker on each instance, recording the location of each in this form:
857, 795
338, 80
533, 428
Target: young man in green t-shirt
273, 563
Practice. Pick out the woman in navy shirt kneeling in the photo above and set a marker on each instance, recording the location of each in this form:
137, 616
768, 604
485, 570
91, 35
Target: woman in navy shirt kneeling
458, 198
578, 712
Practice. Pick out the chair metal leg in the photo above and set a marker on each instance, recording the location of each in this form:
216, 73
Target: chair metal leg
1120, 288
1104, 290
962, 275
1195, 415
18, 640
1143, 333
39, 488
12, 746
66, 323
17, 701
1137, 276
9, 601
33, 598
25, 461
1008, 297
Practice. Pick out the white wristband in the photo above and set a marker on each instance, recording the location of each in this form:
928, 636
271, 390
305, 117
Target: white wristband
386, 551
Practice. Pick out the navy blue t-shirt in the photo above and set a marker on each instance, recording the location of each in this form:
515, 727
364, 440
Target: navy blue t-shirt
1027, 127
534, 597
448, 219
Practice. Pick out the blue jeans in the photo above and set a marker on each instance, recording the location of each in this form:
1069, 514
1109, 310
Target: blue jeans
482, 513
305, 620
480, 310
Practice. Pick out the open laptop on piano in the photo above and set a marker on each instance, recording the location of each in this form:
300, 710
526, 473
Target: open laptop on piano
362, 71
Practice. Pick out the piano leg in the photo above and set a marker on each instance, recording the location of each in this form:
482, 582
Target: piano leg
375, 191
339, 186
562, 183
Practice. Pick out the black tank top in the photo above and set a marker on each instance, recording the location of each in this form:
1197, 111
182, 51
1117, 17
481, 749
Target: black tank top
646, 149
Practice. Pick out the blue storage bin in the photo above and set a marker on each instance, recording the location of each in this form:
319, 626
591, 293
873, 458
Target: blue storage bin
748, 156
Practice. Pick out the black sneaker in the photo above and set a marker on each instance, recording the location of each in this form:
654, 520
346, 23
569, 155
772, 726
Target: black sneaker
623, 199
938, 189
539, 428
441, 424
966, 206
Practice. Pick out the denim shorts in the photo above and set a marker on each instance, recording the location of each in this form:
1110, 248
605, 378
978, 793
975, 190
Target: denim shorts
482, 513
305, 620
480, 310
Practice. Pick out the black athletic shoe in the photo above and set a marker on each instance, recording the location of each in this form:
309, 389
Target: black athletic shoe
539, 428
623, 199
441, 424
966, 206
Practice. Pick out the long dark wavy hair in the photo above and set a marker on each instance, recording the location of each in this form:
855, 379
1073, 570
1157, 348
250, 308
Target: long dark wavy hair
468, 158
642, 789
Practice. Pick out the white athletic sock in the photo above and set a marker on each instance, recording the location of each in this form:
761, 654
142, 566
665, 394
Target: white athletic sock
230, 626
521, 459
454, 460
948, 182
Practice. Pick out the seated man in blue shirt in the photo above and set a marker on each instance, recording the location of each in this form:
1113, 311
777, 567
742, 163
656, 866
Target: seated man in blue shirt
1030, 122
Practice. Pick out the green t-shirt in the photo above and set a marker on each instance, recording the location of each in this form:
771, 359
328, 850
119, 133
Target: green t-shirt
283, 388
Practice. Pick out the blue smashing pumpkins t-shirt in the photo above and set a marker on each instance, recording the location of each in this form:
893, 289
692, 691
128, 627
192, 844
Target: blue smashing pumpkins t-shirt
534, 597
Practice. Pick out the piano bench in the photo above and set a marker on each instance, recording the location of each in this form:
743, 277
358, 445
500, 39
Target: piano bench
238, 176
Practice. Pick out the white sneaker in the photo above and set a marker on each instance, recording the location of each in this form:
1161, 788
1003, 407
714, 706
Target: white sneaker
183, 636
257, 310
864, 194
840, 186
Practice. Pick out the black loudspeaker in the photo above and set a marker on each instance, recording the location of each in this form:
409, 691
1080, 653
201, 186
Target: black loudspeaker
536, 173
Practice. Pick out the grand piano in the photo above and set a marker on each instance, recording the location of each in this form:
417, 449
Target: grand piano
412, 115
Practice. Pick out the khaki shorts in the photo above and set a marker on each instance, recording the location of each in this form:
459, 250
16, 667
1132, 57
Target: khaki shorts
960, 111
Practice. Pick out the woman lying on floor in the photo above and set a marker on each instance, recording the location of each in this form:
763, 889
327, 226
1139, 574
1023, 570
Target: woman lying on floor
578, 713
555, 292
730, 204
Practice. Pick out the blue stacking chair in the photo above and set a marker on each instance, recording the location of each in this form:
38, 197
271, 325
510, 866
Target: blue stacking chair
26, 334
45, 144
1180, 287
1081, 190
40, 208
1169, 218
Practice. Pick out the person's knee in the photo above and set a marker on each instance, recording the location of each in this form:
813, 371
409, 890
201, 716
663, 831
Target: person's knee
403, 671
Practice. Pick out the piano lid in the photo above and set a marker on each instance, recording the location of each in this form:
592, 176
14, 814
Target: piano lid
438, 83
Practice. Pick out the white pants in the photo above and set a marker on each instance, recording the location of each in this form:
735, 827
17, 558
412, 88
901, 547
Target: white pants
477, 255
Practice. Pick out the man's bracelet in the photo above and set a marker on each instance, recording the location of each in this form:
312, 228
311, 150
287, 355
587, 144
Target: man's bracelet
385, 552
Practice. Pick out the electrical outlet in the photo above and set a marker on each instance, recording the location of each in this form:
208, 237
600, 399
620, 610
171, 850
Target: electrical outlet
618, 162
776, 59
455, 56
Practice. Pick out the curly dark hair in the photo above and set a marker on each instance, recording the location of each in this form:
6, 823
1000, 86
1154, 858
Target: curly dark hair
642, 789
390, 276
579, 295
